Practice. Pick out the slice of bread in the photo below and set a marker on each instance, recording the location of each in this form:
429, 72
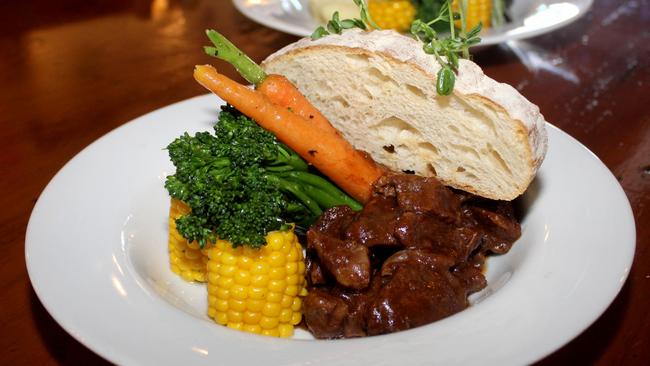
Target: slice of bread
379, 89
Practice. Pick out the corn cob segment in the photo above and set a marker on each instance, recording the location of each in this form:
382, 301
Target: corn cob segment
475, 11
185, 259
392, 14
257, 290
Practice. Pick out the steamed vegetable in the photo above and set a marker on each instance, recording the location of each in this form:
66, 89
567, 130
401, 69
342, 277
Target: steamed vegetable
392, 14
276, 87
256, 290
474, 12
241, 184
328, 152
186, 259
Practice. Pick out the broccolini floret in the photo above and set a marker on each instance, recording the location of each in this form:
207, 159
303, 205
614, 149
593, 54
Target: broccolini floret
242, 183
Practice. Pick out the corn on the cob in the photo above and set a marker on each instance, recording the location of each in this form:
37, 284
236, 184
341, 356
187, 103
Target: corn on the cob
392, 14
257, 290
475, 11
186, 259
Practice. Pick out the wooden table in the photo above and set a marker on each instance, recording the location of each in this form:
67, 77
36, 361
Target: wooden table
70, 71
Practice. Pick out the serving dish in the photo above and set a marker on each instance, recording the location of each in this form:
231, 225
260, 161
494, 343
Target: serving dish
528, 18
96, 253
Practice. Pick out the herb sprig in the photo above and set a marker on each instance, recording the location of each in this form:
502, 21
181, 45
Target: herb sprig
447, 50
337, 25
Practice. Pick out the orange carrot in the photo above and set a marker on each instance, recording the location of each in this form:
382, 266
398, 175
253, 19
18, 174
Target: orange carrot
328, 151
282, 92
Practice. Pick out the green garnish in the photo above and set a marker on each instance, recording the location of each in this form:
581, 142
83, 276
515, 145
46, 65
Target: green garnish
447, 50
336, 25
427, 10
241, 183
456, 45
225, 50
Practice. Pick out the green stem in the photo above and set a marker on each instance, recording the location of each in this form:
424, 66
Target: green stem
463, 24
292, 158
225, 50
323, 198
296, 190
340, 198
451, 20
279, 168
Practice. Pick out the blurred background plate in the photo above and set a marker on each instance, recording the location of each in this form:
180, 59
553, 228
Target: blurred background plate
528, 18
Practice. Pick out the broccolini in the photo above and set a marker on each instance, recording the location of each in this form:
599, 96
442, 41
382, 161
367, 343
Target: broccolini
242, 183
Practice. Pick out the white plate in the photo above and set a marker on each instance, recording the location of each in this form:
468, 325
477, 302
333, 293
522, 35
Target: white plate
96, 253
529, 18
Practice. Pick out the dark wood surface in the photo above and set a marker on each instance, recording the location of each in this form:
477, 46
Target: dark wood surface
70, 71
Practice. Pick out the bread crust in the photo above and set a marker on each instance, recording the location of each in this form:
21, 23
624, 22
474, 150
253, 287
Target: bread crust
471, 84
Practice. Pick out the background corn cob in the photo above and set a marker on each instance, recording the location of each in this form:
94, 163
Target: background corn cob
257, 290
475, 11
186, 259
392, 14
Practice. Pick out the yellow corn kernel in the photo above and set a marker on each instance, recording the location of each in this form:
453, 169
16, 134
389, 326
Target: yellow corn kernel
287, 301
268, 322
285, 330
285, 315
221, 305
256, 290
392, 14
186, 259
252, 328
475, 11
237, 326
270, 332
272, 310
274, 297
296, 304
219, 317
255, 305
257, 293
278, 273
252, 318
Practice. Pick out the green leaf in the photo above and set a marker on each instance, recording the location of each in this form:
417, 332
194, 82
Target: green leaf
359, 23
475, 31
348, 24
334, 25
446, 81
453, 59
319, 33
422, 31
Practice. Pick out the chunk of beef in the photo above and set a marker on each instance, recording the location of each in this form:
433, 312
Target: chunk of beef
375, 226
471, 276
417, 289
421, 195
424, 231
314, 272
334, 221
500, 230
325, 314
348, 262
410, 257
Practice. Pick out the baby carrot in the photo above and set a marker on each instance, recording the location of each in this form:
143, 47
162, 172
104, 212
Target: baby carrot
282, 92
329, 152
276, 87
